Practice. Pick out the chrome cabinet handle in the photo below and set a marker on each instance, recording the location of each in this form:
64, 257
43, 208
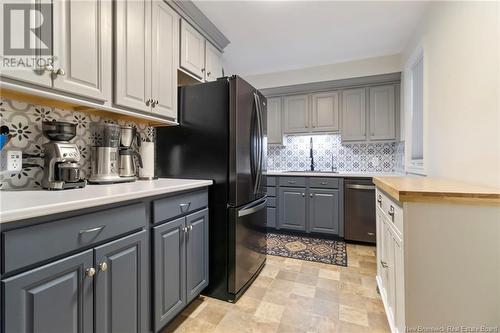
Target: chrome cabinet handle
156, 102
90, 272
86, 231
148, 102
384, 264
103, 266
190, 227
185, 229
291, 182
60, 71
379, 200
48, 68
371, 234
208, 73
203, 70
324, 183
184, 206
303, 194
391, 212
311, 195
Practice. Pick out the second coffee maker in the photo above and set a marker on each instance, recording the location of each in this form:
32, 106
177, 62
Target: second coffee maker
128, 154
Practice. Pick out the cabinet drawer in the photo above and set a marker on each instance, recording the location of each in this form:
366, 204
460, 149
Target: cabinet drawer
271, 181
391, 210
271, 202
325, 182
293, 181
30, 245
271, 191
271, 217
167, 208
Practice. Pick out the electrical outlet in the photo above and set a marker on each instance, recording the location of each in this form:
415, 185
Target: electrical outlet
11, 161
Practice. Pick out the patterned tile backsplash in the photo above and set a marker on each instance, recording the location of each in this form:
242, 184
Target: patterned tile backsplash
363, 157
25, 123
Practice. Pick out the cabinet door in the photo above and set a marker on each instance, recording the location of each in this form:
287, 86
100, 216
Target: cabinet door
324, 211
325, 112
292, 208
56, 298
382, 113
197, 253
82, 47
169, 271
296, 114
213, 62
274, 130
19, 40
165, 59
133, 54
121, 285
354, 115
399, 290
390, 278
271, 217
380, 251
192, 50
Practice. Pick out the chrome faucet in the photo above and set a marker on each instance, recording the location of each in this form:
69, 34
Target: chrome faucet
311, 154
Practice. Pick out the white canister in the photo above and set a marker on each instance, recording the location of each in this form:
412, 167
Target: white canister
147, 151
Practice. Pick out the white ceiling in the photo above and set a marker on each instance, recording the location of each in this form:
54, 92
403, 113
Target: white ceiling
270, 36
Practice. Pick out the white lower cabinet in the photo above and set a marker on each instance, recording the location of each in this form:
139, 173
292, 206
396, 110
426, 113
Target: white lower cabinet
390, 263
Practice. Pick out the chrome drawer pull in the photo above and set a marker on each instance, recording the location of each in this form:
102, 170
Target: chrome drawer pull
391, 212
324, 183
103, 267
371, 234
184, 206
90, 272
91, 230
379, 200
291, 182
384, 264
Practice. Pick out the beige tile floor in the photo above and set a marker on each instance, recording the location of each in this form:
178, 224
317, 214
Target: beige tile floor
296, 296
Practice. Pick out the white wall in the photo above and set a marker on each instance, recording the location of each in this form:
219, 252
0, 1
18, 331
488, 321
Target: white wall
357, 68
461, 45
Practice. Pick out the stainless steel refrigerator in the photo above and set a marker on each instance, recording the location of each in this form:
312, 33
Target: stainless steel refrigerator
222, 136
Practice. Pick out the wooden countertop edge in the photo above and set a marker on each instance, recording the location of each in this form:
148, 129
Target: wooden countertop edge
437, 196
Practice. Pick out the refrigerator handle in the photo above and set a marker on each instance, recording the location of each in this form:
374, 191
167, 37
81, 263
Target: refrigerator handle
260, 144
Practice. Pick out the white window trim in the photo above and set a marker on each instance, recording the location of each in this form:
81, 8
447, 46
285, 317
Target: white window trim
418, 167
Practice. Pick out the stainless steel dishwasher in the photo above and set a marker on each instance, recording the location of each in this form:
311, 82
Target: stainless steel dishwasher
359, 210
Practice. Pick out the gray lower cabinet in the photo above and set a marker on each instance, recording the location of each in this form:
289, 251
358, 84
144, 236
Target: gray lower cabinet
56, 298
324, 211
271, 217
196, 253
169, 271
120, 285
292, 208
180, 264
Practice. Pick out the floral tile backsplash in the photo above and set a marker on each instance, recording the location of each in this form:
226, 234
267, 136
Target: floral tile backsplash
25, 123
328, 149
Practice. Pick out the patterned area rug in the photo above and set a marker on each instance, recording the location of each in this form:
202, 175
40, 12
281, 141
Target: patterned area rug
306, 248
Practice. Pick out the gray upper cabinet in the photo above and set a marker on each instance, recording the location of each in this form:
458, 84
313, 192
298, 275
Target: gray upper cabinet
83, 48
274, 124
121, 285
133, 54
292, 208
165, 59
213, 62
324, 211
196, 253
56, 298
354, 115
382, 113
192, 50
169, 271
325, 112
296, 114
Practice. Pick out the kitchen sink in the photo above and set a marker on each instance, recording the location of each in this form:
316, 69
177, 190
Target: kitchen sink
315, 171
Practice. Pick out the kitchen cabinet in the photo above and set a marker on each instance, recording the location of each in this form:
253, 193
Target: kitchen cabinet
81, 55
63, 293
146, 56
274, 125
121, 285
180, 264
296, 114
382, 112
354, 115
198, 56
324, 211
192, 50
213, 61
325, 112
292, 208
57, 297
82, 43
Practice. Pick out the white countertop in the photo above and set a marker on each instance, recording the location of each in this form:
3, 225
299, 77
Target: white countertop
22, 204
332, 174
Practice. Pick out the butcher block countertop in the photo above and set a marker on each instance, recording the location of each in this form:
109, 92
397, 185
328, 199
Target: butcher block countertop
422, 189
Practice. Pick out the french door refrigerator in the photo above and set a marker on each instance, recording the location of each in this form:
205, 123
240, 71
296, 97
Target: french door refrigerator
222, 136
